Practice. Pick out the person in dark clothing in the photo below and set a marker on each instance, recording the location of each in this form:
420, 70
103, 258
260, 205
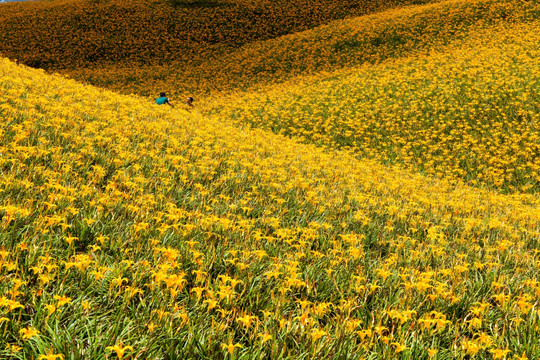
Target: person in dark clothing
189, 102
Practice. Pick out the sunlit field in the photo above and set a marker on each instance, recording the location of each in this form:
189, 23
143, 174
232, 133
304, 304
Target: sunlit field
420, 86
347, 187
180, 236
469, 113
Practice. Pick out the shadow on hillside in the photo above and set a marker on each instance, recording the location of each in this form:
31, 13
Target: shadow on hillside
196, 3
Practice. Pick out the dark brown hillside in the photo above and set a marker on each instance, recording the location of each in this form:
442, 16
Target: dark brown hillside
82, 33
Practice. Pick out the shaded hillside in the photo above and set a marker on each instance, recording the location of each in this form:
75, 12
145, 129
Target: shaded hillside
82, 33
338, 45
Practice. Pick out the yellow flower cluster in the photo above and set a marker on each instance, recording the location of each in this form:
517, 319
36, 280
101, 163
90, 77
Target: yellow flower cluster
467, 112
130, 230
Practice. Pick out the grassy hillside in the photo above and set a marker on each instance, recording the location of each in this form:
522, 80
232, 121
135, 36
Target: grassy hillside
431, 111
70, 34
338, 45
134, 231
315, 205
469, 111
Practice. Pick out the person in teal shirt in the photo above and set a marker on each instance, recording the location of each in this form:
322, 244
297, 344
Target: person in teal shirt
163, 99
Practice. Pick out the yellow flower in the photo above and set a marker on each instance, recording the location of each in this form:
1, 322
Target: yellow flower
471, 347
484, 338
62, 300
211, 303
399, 347
70, 239
499, 353
51, 356
198, 291
28, 333
230, 347
119, 349
246, 320
51, 308
95, 248
13, 348
151, 326
475, 323
265, 337
11, 304
317, 334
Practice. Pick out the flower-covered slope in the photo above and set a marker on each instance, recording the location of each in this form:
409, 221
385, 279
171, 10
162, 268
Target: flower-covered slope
130, 230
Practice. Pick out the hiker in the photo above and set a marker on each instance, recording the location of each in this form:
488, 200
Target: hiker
163, 99
190, 102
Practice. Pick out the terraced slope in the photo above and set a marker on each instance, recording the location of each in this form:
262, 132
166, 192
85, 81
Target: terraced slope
130, 230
